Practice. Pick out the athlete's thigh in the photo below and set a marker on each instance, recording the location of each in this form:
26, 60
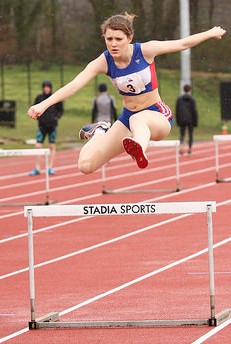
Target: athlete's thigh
158, 124
105, 147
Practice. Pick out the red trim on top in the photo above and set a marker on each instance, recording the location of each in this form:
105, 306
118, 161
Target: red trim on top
153, 76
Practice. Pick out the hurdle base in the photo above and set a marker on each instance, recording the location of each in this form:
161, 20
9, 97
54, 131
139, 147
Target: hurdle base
51, 321
120, 324
23, 204
225, 180
114, 191
51, 317
220, 317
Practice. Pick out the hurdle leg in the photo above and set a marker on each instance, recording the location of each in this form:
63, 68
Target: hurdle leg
217, 160
103, 179
32, 324
212, 320
47, 177
177, 169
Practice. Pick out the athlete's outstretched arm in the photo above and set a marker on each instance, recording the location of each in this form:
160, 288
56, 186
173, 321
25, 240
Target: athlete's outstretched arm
95, 67
153, 48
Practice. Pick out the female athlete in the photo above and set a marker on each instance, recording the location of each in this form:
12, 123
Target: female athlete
131, 68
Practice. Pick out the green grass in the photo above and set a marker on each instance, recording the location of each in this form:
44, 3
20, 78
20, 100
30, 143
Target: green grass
78, 108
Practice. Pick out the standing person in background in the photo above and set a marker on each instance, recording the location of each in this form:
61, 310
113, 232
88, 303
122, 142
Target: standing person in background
186, 117
47, 125
104, 107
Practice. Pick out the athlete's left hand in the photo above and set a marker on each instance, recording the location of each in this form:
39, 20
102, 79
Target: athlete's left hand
218, 32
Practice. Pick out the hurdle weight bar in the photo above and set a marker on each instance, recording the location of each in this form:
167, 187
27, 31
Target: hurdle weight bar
217, 139
165, 143
51, 320
29, 152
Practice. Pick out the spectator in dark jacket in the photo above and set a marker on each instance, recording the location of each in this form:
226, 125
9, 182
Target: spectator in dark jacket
47, 125
104, 107
186, 117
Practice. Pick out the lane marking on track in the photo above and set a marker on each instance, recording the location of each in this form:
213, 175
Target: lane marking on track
212, 332
124, 175
90, 248
18, 332
116, 159
125, 285
124, 157
13, 335
143, 277
71, 166
196, 188
108, 242
118, 166
7, 315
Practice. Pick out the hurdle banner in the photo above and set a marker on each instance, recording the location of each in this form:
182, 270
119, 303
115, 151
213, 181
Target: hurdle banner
52, 319
217, 139
30, 152
165, 143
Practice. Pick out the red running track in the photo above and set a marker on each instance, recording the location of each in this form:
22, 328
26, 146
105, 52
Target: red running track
117, 268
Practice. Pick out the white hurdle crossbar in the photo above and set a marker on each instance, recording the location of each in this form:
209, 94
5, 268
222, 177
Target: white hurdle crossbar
165, 143
31, 152
51, 320
217, 139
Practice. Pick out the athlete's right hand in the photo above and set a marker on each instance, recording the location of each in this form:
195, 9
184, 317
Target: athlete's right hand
35, 111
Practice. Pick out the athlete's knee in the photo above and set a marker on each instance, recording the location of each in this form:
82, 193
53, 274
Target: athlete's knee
86, 166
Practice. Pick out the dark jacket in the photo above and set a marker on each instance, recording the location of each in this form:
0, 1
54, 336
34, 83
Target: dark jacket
186, 111
51, 116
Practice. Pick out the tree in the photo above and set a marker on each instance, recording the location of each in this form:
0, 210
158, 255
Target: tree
25, 17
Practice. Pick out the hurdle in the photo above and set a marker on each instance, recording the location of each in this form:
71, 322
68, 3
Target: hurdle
52, 319
30, 152
165, 143
217, 139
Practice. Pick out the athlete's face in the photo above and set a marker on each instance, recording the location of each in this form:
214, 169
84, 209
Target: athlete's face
117, 42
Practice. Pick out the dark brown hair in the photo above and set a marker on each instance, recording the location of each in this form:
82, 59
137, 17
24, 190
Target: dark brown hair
123, 22
187, 88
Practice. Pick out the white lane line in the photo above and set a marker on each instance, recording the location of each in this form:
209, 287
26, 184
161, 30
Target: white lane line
117, 177
108, 242
70, 166
196, 188
64, 202
118, 159
13, 335
90, 248
143, 277
11, 214
7, 315
36, 231
127, 163
123, 175
123, 286
212, 332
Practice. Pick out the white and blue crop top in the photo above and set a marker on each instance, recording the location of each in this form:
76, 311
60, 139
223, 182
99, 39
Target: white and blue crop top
137, 78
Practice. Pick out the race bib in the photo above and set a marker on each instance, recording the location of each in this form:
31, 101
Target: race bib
132, 83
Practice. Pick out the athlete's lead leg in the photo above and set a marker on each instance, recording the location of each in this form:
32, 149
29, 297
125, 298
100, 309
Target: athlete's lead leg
100, 149
145, 125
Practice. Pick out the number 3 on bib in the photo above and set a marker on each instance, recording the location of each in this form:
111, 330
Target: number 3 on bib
131, 88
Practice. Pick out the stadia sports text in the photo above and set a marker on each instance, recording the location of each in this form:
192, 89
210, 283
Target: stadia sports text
119, 209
